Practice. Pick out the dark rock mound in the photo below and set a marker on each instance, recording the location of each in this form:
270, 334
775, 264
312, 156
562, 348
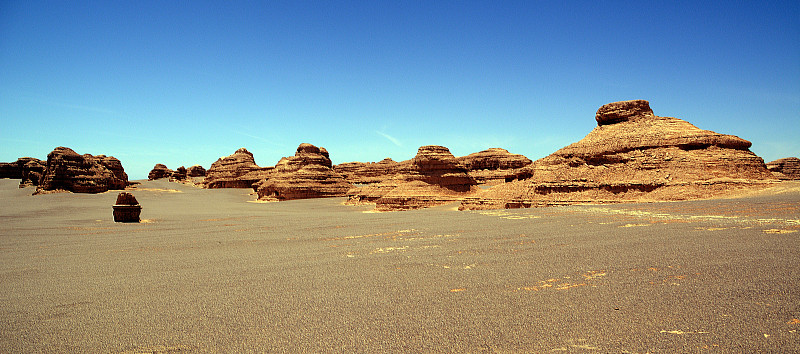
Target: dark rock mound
68, 171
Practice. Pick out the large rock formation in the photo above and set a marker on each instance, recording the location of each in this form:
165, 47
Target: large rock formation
307, 174
633, 155
370, 172
178, 175
433, 177
493, 165
68, 171
235, 171
159, 171
787, 168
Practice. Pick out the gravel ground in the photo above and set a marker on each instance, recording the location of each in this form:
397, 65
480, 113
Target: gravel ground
211, 271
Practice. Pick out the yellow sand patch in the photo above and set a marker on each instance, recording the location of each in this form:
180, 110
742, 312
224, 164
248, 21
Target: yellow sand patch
778, 231
164, 190
793, 321
635, 225
457, 290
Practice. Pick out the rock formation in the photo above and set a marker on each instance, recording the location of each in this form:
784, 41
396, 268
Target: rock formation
68, 171
196, 171
433, 177
370, 172
787, 168
28, 169
633, 155
493, 165
179, 174
159, 171
307, 174
235, 171
127, 209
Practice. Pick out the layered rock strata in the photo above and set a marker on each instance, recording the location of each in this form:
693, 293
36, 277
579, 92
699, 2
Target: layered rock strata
238, 170
493, 165
307, 174
633, 155
369, 172
433, 177
787, 168
66, 170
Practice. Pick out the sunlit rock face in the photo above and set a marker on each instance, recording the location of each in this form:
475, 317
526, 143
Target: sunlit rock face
307, 174
433, 177
633, 155
787, 168
68, 171
493, 165
238, 170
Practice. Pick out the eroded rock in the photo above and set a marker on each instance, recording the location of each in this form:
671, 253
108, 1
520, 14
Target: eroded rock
433, 177
238, 170
787, 168
307, 174
66, 170
633, 155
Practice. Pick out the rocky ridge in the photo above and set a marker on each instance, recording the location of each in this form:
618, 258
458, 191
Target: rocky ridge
433, 177
633, 155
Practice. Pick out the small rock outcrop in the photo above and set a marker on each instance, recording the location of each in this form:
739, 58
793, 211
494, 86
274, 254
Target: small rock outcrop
179, 174
196, 171
127, 209
159, 171
433, 177
66, 170
633, 155
28, 170
307, 174
787, 168
238, 170
493, 165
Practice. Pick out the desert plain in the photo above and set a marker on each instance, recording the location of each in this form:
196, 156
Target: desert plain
212, 270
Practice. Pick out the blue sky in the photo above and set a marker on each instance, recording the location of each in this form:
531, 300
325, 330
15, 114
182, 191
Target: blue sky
186, 82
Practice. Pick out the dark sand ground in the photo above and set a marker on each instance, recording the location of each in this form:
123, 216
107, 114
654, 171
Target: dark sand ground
211, 272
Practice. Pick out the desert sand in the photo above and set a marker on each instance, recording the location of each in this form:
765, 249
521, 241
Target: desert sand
208, 271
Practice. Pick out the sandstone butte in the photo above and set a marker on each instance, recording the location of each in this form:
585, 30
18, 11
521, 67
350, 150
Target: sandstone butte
787, 168
307, 174
433, 177
235, 171
66, 170
633, 155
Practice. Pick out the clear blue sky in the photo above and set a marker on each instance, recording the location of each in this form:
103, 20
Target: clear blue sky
186, 82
